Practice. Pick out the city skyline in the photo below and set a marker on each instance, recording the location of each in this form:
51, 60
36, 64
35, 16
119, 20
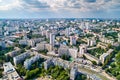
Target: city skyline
59, 8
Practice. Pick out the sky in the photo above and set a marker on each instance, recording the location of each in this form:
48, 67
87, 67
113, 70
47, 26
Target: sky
59, 8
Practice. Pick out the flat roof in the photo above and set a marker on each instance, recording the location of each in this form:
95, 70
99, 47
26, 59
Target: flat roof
8, 67
11, 72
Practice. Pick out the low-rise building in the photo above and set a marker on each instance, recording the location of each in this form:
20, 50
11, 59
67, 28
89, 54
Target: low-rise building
10, 72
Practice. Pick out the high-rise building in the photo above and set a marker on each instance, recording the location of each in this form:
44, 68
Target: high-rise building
18, 59
72, 40
82, 49
52, 39
2, 44
118, 37
73, 52
29, 62
91, 42
73, 73
67, 32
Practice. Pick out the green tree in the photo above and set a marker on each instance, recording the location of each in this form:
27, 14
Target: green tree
118, 58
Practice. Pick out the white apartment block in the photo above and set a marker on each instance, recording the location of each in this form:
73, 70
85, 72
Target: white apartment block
23, 42
73, 52
29, 62
13, 53
82, 49
72, 40
73, 73
20, 58
105, 55
118, 37
52, 39
91, 42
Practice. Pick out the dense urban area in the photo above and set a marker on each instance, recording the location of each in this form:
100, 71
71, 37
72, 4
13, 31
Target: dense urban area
60, 49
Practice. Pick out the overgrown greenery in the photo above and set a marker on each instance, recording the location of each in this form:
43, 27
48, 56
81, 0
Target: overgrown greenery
58, 73
43, 51
65, 57
81, 77
55, 72
114, 68
96, 52
113, 35
23, 46
3, 52
1, 70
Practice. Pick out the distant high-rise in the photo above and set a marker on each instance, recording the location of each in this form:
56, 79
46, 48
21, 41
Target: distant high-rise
118, 37
91, 42
67, 32
72, 40
73, 73
52, 39
82, 49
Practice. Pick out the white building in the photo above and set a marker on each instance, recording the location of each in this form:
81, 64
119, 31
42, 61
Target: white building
105, 55
108, 41
73, 52
10, 72
20, 58
1, 31
67, 32
73, 73
118, 37
31, 42
29, 62
82, 49
40, 46
91, 42
52, 39
2, 44
48, 63
23, 42
13, 53
72, 40
63, 50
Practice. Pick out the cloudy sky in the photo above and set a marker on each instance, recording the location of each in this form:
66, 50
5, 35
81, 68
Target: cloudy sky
59, 8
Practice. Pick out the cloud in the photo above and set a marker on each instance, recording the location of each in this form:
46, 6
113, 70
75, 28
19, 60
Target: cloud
60, 5
9, 4
79, 5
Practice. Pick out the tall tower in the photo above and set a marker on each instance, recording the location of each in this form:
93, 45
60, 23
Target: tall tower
72, 40
73, 73
52, 39
67, 31
82, 49
118, 37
